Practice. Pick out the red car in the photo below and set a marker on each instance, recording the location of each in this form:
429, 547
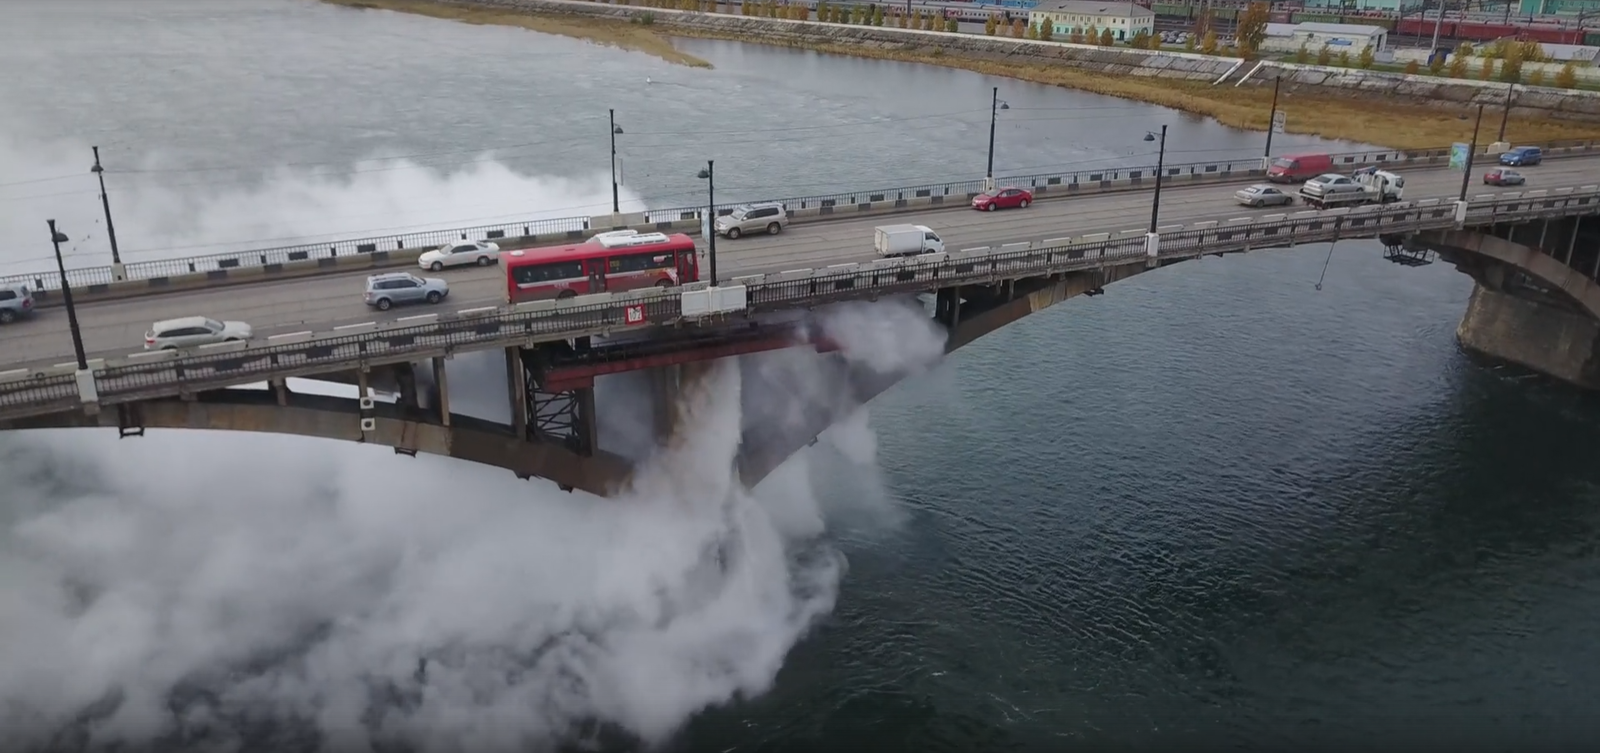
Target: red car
1002, 198
1502, 176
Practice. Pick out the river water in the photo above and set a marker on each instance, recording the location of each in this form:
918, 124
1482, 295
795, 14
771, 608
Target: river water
1217, 504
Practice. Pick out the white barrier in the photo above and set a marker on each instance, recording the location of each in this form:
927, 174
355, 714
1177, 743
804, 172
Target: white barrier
292, 337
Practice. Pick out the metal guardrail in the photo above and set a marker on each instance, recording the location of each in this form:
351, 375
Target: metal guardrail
53, 390
577, 226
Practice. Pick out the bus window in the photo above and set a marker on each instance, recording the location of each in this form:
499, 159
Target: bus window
534, 274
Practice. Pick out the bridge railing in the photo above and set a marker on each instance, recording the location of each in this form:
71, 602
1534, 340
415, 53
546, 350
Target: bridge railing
158, 374
552, 229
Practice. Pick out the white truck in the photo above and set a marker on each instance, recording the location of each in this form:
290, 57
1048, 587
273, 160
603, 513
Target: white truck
1366, 186
906, 240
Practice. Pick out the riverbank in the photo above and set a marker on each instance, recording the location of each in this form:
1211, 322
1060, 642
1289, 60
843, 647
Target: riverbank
1186, 84
608, 32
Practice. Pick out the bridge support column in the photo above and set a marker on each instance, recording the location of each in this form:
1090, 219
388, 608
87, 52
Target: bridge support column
1545, 338
517, 380
443, 384
947, 307
280, 389
663, 399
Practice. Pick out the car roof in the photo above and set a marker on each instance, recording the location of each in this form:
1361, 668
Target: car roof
182, 321
390, 276
1526, 149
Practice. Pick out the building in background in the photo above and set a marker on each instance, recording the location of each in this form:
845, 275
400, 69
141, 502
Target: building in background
1350, 5
1553, 7
1338, 37
1123, 19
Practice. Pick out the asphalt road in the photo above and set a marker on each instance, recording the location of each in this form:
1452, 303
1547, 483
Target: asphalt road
115, 328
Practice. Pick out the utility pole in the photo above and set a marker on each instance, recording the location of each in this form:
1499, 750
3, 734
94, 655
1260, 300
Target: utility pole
1272, 120
709, 176
111, 230
1438, 21
1161, 160
1466, 172
1511, 89
57, 238
614, 131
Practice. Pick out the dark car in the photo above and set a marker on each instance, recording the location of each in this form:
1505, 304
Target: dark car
1522, 156
1002, 198
1502, 176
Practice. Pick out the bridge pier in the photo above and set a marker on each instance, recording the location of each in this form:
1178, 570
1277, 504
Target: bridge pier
1535, 299
442, 384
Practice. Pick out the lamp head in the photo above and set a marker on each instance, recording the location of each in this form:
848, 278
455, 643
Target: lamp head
703, 174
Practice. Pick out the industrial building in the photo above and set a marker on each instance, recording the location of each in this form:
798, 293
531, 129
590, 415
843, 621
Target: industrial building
1123, 19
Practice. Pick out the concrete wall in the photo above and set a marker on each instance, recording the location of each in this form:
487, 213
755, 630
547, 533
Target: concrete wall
1543, 338
1528, 101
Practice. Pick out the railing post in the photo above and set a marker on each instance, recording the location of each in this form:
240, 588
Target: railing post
88, 391
1152, 249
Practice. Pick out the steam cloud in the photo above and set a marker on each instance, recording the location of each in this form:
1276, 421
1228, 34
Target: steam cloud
189, 592
175, 214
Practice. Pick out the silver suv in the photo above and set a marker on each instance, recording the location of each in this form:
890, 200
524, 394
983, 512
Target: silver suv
398, 288
769, 216
190, 331
16, 302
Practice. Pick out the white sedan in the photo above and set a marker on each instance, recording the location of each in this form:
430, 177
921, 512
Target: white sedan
460, 253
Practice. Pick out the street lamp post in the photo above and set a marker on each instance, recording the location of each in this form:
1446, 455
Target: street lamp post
615, 131
57, 238
1272, 120
1466, 171
111, 230
995, 105
709, 176
1161, 161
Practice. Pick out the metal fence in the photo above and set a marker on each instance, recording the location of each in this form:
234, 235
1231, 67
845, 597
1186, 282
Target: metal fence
103, 275
554, 320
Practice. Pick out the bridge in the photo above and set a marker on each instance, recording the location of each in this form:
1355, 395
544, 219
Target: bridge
1531, 251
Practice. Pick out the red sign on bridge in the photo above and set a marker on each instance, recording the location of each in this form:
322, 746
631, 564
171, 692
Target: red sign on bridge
634, 314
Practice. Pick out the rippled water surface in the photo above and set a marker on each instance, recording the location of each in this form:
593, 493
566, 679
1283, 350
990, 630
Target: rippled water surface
1215, 504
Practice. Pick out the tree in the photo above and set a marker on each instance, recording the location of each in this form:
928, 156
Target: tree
1208, 45
1458, 66
989, 25
1511, 65
1141, 40
1047, 30
1366, 57
1486, 72
1251, 30
877, 15
1076, 37
952, 25
1106, 40
1413, 67
1202, 25
1033, 31
1325, 55
1567, 77
1091, 35
1536, 77
1017, 28
1435, 65
1344, 58
1302, 55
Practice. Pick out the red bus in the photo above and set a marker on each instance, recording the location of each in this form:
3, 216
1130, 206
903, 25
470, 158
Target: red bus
613, 262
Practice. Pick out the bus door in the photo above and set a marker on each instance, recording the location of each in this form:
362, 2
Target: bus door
688, 266
597, 274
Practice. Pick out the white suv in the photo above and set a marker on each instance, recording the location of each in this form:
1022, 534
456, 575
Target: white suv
769, 216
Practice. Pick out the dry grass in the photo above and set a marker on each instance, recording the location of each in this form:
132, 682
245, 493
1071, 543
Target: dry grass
1325, 113
627, 36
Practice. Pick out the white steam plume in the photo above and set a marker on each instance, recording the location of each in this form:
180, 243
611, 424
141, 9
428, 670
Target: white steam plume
278, 590
161, 214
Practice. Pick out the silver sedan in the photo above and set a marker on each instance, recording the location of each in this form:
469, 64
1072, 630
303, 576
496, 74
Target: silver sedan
1263, 195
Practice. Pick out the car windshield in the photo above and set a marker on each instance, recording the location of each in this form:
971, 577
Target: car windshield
991, 193
1281, 162
739, 213
1328, 178
213, 325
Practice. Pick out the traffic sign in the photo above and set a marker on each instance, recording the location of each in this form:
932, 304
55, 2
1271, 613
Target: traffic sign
1279, 118
634, 314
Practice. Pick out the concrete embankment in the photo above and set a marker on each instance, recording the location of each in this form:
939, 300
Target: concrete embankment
1526, 101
